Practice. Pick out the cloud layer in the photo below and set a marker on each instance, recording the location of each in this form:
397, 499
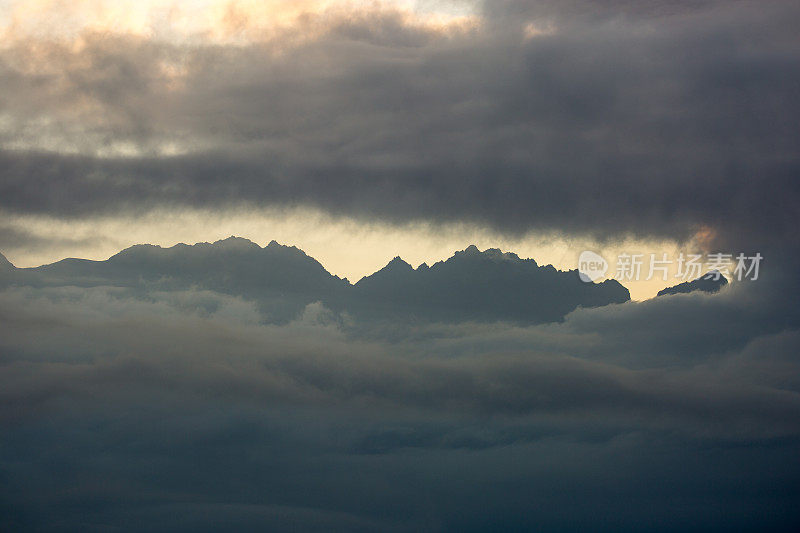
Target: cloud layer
182, 408
656, 119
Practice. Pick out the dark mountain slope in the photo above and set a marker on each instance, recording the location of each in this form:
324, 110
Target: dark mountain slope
471, 285
705, 283
475, 285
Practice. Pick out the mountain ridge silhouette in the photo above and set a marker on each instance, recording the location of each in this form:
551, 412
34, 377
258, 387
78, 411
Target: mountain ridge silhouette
709, 282
475, 285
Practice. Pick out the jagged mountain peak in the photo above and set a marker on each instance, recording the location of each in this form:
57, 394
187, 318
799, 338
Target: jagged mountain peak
236, 243
496, 253
275, 246
234, 260
395, 265
473, 252
137, 250
710, 282
396, 271
480, 285
230, 244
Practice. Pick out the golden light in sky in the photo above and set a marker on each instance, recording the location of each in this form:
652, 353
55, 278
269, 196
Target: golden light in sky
346, 247
214, 21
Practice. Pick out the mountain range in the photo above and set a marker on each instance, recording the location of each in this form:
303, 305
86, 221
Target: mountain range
710, 282
472, 285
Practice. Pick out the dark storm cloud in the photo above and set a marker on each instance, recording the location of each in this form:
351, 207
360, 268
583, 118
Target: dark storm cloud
644, 118
201, 343
183, 410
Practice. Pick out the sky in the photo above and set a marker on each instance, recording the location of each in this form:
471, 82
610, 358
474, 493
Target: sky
359, 131
545, 128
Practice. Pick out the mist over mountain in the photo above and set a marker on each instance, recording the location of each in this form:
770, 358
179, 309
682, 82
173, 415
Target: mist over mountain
472, 285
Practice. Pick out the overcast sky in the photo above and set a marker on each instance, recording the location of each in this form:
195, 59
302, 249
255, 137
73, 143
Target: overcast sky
360, 131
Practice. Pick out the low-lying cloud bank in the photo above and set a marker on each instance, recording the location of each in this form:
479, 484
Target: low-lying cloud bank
184, 409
